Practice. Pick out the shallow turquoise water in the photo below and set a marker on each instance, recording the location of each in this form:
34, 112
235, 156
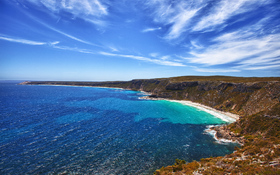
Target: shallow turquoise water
55, 129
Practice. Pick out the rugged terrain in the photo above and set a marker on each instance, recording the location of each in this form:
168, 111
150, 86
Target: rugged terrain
256, 100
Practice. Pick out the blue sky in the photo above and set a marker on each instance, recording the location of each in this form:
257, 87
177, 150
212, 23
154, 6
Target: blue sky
97, 40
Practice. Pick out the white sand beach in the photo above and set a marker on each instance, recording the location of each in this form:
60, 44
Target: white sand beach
225, 116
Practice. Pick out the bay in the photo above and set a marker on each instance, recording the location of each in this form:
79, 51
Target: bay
86, 130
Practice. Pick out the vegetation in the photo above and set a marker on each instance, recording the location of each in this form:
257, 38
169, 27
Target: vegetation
259, 155
224, 79
256, 100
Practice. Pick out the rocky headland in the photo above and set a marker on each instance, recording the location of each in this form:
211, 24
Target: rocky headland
255, 100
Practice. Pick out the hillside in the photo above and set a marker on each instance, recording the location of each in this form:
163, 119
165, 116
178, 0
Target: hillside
256, 100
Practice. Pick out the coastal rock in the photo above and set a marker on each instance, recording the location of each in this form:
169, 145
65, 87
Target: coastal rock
223, 132
181, 86
25, 83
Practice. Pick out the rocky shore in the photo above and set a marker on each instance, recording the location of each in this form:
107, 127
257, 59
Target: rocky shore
224, 134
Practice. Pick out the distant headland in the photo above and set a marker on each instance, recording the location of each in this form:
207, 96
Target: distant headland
255, 99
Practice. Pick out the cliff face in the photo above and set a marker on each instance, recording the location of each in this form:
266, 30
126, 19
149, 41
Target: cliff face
243, 96
240, 98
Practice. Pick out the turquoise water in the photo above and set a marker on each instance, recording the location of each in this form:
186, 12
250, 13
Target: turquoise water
83, 130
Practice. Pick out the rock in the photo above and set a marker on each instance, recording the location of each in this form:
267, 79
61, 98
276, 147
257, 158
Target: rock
181, 86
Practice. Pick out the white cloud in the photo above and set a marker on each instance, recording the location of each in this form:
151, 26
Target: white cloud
224, 10
76, 49
157, 55
151, 29
154, 54
22, 41
141, 58
219, 14
228, 51
242, 48
263, 67
248, 46
196, 45
182, 17
89, 10
75, 7
177, 15
165, 57
60, 32
268, 57
68, 35
54, 43
180, 23
216, 70
113, 49
51, 44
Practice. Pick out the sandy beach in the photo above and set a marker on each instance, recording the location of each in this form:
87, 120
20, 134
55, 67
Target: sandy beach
225, 116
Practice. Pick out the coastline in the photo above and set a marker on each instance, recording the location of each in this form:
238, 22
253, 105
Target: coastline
225, 116
219, 132
223, 135
256, 131
212, 130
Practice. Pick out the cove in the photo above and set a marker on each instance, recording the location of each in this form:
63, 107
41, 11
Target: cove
84, 130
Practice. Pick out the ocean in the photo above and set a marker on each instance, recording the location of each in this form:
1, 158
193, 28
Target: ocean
88, 130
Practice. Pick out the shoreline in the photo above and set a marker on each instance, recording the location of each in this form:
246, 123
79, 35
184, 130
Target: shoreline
211, 129
220, 133
225, 116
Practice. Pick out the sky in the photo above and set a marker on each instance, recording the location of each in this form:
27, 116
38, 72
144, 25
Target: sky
109, 40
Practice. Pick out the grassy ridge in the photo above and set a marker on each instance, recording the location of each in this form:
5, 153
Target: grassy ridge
224, 78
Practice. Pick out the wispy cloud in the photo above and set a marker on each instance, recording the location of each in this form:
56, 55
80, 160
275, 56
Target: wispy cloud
196, 45
154, 54
76, 7
141, 58
263, 67
89, 10
180, 22
217, 70
68, 35
113, 49
75, 49
22, 41
250, 52
223, 11
151, 29
59, 31
183, 17
53, 44
227, 51
176, 15
159, 56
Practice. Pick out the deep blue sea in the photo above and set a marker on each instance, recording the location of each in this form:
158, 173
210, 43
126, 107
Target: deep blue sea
86, 130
